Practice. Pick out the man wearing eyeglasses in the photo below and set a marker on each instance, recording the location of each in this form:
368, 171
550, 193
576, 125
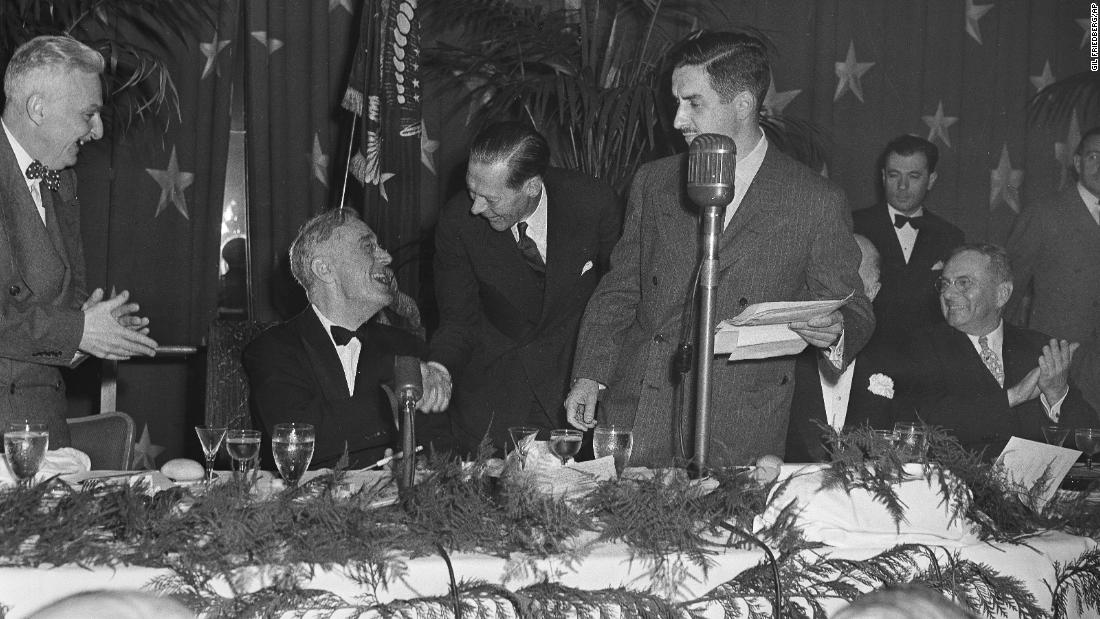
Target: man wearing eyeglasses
981, 378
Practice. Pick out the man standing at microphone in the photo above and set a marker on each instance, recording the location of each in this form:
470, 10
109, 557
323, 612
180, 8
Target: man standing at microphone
786, 237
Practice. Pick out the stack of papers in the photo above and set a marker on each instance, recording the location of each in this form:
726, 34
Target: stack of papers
763, 329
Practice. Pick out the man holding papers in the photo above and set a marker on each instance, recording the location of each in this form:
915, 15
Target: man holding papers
786, 238
982, 378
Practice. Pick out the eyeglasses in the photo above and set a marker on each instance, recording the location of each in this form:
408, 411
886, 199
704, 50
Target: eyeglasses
962, 284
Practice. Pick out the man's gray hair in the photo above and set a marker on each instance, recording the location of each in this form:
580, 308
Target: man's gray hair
1000, 267
45, 56
314, 233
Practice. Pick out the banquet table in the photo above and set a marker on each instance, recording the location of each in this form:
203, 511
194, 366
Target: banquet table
602, 566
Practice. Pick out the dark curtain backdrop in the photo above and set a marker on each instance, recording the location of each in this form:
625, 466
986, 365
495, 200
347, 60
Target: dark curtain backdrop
298, 55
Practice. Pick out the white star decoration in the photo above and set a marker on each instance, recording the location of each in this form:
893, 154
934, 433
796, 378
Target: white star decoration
145, 452
938, 124
775, 102
849, 72
428, 147
273, 45
211, 51
1063, 151
172, 185
332, 4
318, 160
1004, 183
974, 12
1084, 23
1042, 81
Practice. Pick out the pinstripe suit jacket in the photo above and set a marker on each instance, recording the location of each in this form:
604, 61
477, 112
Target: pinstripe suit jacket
789, 240
41, 290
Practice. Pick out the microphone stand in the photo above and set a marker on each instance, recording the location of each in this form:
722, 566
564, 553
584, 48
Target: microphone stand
408, 440
713, 217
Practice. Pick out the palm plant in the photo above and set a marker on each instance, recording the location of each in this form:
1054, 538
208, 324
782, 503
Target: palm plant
134, 37
587, 76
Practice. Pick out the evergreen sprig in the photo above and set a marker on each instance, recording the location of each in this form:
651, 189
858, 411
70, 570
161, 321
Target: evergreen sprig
1080, 576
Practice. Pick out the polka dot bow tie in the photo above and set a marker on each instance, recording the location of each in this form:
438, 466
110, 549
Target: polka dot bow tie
50, 178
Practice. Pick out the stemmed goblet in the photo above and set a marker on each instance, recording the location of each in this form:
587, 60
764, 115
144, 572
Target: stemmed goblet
25, 444
912, 442
565, 444
1088, 441
244, 448
1055, 434
211, 440
522, 437
615, 441
292, 447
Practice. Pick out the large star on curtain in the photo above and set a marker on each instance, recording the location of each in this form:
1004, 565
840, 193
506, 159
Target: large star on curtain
1042, 81
318, 160
210, 51
172, 185
974, 12
1063, 151
775, 102
849, 72
332, 4
428, 147
145, 452
938, 124
271, 43
1004, 183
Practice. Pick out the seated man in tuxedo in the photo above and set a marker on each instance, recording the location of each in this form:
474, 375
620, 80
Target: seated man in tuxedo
862, 393
910, 238
982, 378
326, 365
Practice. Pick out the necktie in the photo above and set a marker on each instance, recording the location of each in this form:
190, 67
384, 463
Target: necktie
50, 178
901, 220
342, 336
530, 250
989, 358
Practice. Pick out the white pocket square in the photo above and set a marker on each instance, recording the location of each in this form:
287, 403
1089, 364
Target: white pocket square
587, 267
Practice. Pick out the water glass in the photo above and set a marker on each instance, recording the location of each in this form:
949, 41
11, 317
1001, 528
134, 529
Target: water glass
244, 449
615, 441
911, 440
1088, 441
1055, 434
565, 444
292, 447
211, 440
522, 438
25, 444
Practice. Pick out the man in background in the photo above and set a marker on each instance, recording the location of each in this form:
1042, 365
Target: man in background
786, 238
517, 256
47, 319
982, 378
1055, 250
326, 366
863, 393
911, 239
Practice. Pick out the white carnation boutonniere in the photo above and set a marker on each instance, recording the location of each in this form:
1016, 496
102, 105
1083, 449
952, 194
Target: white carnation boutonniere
882, 385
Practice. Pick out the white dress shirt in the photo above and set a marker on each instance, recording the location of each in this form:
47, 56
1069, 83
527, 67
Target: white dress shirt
24, 160
1092, 203
744, 174
907, 234
536, 225
349, 353
836, 394
995, 340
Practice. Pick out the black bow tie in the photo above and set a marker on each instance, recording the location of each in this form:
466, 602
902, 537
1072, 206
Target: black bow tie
342, 336
901, 220
50, 178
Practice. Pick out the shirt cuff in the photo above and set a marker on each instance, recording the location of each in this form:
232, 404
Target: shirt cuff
442, 368
1054, 411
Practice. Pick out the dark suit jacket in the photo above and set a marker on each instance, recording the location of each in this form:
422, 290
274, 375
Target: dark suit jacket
41, 290
789, 240
508, 343
878, 410
294, 375
952, 388
1055, 251
907, 299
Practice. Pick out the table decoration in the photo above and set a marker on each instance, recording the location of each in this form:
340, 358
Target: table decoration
208, 548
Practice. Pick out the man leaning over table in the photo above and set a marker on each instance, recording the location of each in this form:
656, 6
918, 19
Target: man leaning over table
787, 237
47, 319
326, 365
982, 378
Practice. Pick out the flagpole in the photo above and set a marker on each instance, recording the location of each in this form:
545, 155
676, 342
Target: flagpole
347, 168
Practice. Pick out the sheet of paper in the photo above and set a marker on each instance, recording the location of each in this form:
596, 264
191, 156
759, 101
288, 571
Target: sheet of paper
1026, 461
781, 312
757, 342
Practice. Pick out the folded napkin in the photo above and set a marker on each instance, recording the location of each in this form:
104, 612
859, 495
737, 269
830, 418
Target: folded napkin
57, 462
